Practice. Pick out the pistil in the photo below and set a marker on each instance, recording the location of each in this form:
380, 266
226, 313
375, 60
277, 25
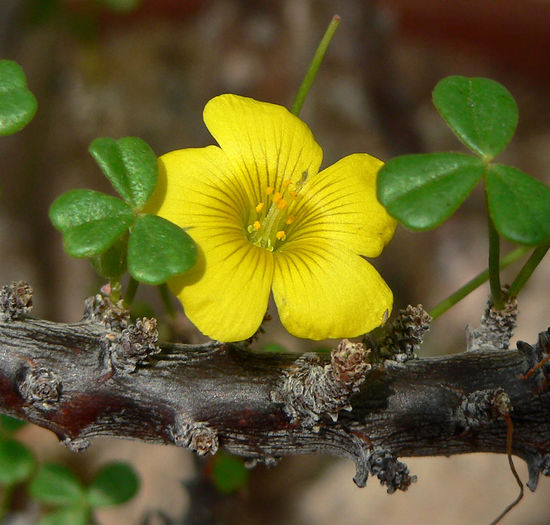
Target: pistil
270, 226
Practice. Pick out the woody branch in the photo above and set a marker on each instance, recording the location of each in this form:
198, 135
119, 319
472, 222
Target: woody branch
106, 376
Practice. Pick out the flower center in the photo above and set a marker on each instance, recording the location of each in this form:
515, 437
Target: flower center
272, 217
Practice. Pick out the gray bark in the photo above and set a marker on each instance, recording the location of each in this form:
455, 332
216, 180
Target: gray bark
106, 376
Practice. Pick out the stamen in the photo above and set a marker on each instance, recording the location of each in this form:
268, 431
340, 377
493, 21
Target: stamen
277, 196
269, 190
293, 194
286, 183
281, 204
290, 219
257, 225
280, 235
259, 207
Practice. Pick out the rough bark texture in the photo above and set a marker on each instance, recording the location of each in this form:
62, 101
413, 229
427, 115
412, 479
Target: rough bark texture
106, 376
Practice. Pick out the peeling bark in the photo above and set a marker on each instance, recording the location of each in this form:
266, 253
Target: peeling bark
106, 376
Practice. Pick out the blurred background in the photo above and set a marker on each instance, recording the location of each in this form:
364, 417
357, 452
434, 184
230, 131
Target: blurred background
146, 68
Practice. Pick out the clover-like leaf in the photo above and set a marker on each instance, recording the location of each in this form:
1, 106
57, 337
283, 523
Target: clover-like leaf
481, 112
158, 250
16, 462
57, 485
519, 205
17, 103
422, 191
78, 515
116, 483
131, 166
90, 221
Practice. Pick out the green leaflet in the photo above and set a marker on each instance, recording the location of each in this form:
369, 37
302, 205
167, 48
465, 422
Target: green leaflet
158, 249
519, 205
481, 112
130, 165
17, 104
90, 221
422, 191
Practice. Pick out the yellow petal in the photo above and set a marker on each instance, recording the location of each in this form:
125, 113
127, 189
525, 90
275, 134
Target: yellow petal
339, 205
196, 188
324, 292
265, 143
226, 294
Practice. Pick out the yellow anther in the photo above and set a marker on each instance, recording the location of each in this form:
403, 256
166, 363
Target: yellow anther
293, 194
259, 207
269, 190
286, 183
280, 235
277, 196
257, 225
282, 204
290, 219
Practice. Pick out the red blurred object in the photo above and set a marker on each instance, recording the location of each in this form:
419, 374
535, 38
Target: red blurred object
514, 33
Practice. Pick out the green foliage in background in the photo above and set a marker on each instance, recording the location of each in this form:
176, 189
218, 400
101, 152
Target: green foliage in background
57, 486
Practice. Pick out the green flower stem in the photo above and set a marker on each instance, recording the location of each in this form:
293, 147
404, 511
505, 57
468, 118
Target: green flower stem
494, 265
314, 66
165, 296
528, 268
116, 290
131, 290
476, 282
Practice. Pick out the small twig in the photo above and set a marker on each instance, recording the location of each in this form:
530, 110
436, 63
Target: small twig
509, 435
530, 372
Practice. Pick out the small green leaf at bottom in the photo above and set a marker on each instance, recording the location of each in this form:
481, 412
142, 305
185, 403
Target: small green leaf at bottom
158, 250
116, 483
519, 205
16, 462
422, 191
57, 485
229, 474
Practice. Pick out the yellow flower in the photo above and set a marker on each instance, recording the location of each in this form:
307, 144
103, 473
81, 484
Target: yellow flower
264, 219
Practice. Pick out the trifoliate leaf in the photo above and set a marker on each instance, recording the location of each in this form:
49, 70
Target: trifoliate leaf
17, 103
519, 205
131, 166
422, 191
158, 250
57, 485
90, 221
481, 112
